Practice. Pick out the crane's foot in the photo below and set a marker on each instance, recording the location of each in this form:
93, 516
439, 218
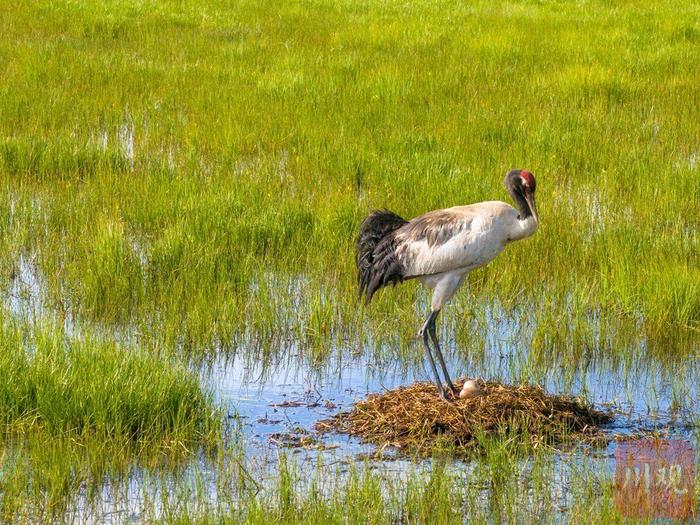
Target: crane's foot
446, 395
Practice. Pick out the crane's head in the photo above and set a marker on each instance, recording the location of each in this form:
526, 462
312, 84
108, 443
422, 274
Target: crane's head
521, 185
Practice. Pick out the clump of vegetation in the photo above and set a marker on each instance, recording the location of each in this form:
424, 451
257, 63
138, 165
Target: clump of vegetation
66, 385
416, 419
77, 408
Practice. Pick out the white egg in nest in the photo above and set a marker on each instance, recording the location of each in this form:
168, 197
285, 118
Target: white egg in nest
470, 389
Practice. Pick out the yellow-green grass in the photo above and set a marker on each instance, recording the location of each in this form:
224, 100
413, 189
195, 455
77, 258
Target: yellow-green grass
159, 157
75, 409
500, 490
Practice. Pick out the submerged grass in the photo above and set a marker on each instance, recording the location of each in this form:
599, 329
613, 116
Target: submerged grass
493, 492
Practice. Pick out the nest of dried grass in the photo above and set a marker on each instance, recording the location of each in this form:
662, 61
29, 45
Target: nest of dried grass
416, 419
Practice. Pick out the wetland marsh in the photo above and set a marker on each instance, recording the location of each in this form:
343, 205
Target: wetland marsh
182, 184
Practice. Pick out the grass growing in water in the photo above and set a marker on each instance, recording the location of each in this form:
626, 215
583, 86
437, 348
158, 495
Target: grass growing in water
87, 386
74, 410
213, 144
500, 490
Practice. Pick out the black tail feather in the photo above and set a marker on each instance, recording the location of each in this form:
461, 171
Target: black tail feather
377, 265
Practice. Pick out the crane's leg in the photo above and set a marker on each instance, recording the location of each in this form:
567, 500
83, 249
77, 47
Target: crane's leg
431, 329
423, 333
444, 289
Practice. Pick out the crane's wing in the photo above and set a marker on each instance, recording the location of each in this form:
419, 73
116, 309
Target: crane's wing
463, 237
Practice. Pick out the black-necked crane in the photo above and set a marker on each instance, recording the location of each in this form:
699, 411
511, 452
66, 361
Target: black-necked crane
441, 247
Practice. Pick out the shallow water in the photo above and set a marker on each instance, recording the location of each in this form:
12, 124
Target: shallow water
286, 399
276, 404
651, 396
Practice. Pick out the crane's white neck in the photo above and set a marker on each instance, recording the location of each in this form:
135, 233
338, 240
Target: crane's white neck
523, 228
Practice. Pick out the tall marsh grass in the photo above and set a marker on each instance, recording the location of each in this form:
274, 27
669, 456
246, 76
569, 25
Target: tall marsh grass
181, 151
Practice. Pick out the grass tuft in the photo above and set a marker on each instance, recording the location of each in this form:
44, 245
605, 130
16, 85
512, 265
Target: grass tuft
86, 387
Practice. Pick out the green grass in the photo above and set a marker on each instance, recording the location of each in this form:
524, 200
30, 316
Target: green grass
85, 386
187, 178
163, 156
516, 493
75, 410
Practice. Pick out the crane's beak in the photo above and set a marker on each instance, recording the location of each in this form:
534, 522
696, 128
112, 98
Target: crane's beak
530, 198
